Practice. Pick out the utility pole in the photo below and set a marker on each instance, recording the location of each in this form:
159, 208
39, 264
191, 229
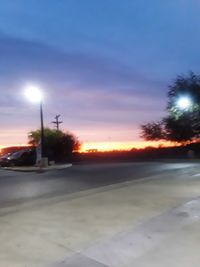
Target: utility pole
57, 122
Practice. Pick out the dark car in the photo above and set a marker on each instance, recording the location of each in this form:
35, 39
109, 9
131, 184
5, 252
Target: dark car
4, 160
21, 158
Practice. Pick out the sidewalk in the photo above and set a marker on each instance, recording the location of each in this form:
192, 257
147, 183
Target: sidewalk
38, 169
148, 223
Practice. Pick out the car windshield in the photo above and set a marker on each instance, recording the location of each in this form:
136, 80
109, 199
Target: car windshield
17, 154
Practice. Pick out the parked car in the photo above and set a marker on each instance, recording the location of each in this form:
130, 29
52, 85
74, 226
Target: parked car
4, 160
20, 158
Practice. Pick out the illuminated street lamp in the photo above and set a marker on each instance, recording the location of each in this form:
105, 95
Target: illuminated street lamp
33, 94
184, 103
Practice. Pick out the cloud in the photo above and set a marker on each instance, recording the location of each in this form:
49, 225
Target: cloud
102, 64
23, 61
20, 57
85, 88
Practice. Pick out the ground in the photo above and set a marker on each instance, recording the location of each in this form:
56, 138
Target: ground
123, 215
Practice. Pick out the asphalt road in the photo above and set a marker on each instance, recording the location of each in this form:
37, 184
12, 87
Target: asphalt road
18, 187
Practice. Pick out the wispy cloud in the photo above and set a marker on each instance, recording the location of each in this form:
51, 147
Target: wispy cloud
104, 65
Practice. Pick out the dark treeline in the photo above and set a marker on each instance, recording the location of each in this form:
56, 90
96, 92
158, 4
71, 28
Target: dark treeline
149, 153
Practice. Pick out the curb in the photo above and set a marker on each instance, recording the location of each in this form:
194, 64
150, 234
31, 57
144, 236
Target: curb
38, 169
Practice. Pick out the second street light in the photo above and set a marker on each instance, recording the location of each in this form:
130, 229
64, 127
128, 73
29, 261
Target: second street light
184, 103
34, 94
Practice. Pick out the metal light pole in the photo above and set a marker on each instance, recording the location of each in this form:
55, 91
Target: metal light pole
42, 130
184, 103
34, 94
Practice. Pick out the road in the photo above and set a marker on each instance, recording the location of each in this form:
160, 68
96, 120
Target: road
42, 224
20, 187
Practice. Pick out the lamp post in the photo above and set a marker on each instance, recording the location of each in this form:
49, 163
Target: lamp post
33, 94
42, 130
184, 103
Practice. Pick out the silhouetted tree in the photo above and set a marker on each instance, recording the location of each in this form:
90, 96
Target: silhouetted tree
180, 125
178, 130
153, 131
58, 145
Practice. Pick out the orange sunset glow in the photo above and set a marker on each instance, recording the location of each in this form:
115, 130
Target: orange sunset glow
110, 146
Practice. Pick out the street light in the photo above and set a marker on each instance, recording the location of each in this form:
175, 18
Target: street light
184, 103
34, 94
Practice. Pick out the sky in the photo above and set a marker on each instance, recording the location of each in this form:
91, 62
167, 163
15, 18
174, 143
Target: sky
104, 65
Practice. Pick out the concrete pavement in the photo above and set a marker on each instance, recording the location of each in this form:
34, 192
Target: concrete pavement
151, 222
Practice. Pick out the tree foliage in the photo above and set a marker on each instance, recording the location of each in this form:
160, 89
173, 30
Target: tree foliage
179, 125
184, 85
178, 130
58, 145
152, 131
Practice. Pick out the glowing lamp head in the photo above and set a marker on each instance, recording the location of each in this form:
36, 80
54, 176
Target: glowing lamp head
33, 94
184, 102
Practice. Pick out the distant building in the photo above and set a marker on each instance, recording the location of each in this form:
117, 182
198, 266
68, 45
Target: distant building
92, 150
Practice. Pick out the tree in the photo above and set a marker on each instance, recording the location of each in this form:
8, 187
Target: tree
57, 145
178, 130
180, 126
184, 85
152, 131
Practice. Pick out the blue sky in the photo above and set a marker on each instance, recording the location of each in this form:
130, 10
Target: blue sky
103, 64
